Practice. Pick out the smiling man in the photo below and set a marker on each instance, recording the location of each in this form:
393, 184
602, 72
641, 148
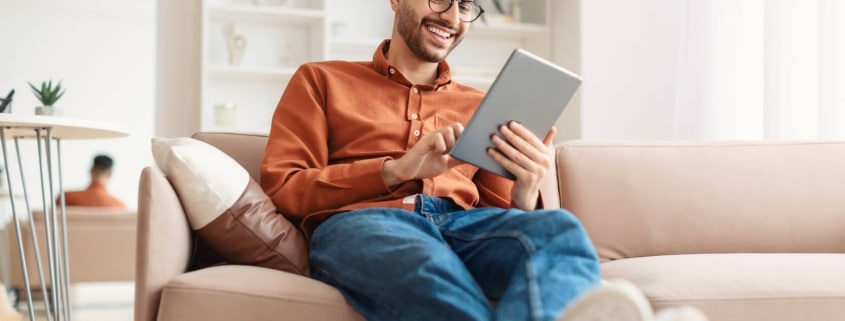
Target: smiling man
358, 157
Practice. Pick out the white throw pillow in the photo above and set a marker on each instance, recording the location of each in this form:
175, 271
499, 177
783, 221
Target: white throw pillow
207, 180
227, 208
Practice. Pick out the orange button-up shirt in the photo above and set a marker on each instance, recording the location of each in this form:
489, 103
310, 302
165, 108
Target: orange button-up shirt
338, 122
95, 195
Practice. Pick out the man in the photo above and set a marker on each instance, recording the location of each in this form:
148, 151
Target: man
96, 193
358, 158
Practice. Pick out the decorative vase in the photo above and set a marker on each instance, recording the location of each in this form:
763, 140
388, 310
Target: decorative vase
235, 44
516, 11
7, 107
6, 103
45, 110
225, 114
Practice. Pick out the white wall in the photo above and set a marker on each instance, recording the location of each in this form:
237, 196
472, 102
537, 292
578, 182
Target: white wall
669, 69
103, 51
624, 44
177, 88
713, 70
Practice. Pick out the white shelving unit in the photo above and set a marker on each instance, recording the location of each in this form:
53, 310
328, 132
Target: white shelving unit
282, 34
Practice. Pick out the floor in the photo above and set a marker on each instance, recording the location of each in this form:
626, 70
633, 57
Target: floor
110, 301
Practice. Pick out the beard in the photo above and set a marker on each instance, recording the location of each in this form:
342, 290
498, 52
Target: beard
410, 28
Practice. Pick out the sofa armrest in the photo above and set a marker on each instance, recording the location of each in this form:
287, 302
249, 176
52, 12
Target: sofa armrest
164, 241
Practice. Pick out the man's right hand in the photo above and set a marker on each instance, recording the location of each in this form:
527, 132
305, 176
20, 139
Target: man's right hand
428, 158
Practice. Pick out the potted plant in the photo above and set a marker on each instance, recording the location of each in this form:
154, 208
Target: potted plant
499, 7
503, 15
7, 102
47, 94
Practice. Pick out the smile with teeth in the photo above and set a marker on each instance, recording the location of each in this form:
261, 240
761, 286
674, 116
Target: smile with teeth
440, 32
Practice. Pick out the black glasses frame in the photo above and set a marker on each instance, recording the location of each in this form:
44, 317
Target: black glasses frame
452, 2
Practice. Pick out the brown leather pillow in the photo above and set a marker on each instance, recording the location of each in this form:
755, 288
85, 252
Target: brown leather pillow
228, 209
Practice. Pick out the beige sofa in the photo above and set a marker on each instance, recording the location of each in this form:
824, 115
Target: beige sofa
101, 247
744, 231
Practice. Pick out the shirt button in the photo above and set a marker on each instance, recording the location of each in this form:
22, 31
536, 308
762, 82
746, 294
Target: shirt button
391, 71
414, 116
416, 90
417, 133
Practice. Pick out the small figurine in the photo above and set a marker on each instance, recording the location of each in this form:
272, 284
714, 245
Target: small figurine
235, 43
6, 101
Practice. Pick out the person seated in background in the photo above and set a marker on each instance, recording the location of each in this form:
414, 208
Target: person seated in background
96, 194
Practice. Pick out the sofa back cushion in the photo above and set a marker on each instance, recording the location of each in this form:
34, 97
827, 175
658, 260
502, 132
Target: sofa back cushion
101, 245
246, 149
644, 199
109, 215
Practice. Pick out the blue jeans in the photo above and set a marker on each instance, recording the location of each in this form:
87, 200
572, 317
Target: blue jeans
441, 262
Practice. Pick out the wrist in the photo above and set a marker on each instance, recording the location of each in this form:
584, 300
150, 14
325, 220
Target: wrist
390, 173
527, 202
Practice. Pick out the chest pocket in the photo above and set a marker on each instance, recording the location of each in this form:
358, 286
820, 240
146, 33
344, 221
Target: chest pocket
441, 120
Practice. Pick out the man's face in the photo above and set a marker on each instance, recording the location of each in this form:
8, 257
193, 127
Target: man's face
429, 35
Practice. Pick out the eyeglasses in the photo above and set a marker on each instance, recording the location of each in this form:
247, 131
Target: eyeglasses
469, 10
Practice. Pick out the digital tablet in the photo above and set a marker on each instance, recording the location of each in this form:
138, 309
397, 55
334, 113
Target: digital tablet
529, 90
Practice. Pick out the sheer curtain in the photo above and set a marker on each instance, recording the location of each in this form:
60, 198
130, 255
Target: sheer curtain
772, 69
713, 69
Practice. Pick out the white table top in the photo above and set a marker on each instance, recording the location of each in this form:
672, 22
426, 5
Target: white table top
22, 125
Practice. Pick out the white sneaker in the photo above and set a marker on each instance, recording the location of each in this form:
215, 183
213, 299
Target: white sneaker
622, 301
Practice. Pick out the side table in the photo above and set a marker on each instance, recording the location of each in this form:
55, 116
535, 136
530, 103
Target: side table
48, 132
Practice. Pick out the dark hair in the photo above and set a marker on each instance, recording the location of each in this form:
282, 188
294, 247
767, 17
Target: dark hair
102, 163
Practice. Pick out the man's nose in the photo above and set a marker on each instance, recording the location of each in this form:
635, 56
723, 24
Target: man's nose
453, 15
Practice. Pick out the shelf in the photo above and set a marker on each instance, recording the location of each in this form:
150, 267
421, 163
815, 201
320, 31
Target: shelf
353, 49
265, 15
326, 30
255, 73
359, 43
509, 30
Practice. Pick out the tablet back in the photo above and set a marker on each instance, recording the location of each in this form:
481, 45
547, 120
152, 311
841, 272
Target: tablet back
529, 90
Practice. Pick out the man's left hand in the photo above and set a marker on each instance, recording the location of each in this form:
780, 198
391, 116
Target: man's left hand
527, 157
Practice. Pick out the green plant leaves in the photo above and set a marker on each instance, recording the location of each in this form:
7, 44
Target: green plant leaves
47, 94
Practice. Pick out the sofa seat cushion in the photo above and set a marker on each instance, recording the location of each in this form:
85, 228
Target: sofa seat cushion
239, 292
741, 287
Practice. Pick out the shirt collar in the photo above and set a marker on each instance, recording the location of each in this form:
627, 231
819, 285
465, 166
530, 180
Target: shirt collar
382, 66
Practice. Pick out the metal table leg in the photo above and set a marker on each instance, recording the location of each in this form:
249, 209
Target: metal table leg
57, 301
